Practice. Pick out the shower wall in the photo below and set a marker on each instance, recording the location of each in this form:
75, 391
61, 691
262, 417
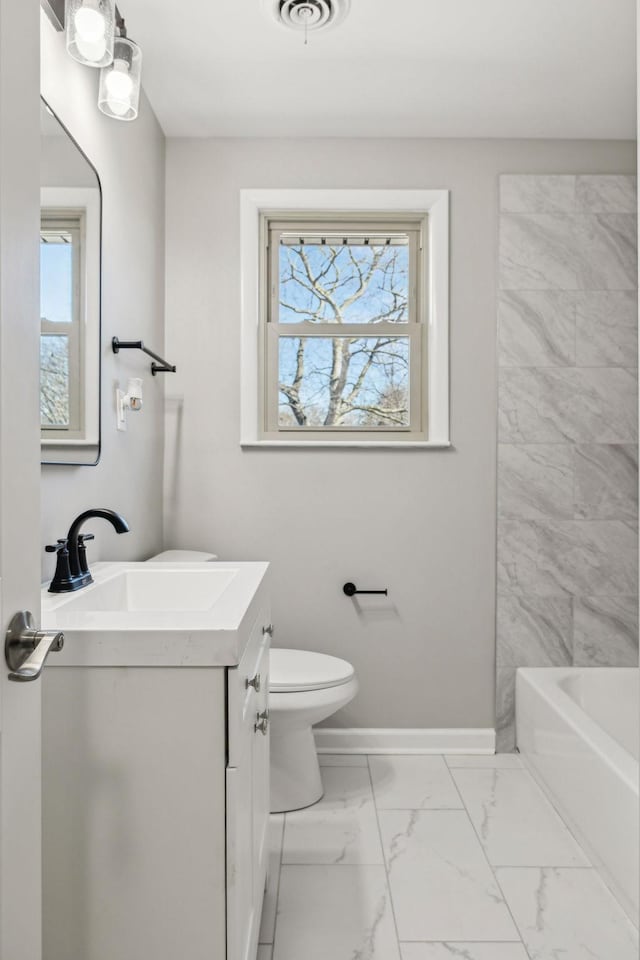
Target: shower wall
567, 428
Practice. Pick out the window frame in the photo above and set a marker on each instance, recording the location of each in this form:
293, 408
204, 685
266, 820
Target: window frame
431, 209
72, 222
273, 226
83, 203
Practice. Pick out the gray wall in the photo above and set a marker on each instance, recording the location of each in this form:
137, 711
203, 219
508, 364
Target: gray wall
130, 160
62, 164
567, 452
422, 523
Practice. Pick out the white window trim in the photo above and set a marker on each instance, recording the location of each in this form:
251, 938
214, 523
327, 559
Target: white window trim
435, 203
87, 201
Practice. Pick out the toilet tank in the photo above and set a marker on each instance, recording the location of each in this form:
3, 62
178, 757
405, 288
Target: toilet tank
181, 556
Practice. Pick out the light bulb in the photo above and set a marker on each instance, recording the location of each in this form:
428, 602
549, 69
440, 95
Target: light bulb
90, 22
119, 91
92, 50
118, 107
118, 82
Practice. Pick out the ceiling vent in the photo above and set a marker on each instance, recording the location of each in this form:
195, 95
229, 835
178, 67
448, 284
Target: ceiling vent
310, 15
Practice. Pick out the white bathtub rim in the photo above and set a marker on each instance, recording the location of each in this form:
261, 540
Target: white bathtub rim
545, 681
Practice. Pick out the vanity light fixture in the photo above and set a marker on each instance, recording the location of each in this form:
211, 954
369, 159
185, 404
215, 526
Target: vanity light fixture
119, 93
90, 30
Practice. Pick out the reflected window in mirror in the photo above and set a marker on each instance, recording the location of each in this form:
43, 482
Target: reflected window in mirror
61, 368
70, 228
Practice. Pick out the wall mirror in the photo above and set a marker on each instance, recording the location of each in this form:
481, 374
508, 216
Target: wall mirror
70, 273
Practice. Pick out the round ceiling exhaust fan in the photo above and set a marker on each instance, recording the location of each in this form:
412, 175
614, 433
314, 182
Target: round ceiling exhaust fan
309, 15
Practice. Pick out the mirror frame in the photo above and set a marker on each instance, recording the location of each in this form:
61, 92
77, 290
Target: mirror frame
75, 450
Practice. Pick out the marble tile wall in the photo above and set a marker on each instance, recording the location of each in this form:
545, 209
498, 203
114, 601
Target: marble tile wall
567, 428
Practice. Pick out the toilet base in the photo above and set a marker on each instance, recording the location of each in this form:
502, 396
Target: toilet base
295, 771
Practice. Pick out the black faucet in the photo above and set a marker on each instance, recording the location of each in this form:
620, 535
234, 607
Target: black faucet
72, 570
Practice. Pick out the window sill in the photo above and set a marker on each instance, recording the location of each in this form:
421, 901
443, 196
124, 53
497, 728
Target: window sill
347, 444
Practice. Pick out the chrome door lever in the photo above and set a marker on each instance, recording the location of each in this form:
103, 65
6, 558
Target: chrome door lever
26, 649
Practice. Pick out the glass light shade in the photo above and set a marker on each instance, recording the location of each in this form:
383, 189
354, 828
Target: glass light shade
119, 93
90, 29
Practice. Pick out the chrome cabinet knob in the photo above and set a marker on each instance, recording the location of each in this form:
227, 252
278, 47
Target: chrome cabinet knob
255, 682
262, 722
268, 631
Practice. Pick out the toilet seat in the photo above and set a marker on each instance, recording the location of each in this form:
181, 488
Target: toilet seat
296, 671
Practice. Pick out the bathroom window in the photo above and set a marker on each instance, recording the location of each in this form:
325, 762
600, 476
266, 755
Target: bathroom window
344, 344
60, 323
346, 320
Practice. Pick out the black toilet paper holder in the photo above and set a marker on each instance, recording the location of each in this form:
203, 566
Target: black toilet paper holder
350, 590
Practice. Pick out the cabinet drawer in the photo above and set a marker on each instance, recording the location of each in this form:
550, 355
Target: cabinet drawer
248, 687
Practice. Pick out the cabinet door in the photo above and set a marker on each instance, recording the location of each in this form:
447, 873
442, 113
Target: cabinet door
260, 786
240, 904
247, 796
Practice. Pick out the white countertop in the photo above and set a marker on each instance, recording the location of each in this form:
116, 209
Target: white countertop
97, 634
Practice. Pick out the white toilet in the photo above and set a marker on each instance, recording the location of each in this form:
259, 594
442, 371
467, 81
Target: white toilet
304, 688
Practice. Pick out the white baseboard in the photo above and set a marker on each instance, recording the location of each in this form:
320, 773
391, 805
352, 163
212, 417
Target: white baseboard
428, 740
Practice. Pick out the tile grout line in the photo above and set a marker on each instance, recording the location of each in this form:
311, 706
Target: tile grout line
384, 860
493, 873
548, 800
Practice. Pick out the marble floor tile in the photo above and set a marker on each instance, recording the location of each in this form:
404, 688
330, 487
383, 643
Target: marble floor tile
335, 913
535, 193
606, 193
536, 328
481, 761
606, 328
341, 828
535, 481
342, 759
515, 822
463, 951
269, 904
568, 914
534, 631
413, 783
605, 481
441, 884
605, 632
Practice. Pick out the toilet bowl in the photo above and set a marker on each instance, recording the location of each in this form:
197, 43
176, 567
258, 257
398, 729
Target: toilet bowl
304, 688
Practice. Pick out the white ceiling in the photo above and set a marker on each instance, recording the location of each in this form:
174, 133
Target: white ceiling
394, 68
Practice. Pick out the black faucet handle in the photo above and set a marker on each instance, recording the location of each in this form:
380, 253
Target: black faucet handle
62, 579
56, 548
83, 566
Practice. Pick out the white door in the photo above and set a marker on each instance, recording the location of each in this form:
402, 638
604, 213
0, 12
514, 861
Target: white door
20, 853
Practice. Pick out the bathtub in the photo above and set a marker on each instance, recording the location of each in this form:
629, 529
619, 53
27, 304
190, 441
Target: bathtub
577, 730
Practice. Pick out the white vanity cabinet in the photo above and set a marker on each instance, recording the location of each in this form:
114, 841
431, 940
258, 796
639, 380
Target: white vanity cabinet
156, 796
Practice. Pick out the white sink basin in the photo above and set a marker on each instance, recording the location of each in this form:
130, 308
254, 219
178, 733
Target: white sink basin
162, 590
137, 614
